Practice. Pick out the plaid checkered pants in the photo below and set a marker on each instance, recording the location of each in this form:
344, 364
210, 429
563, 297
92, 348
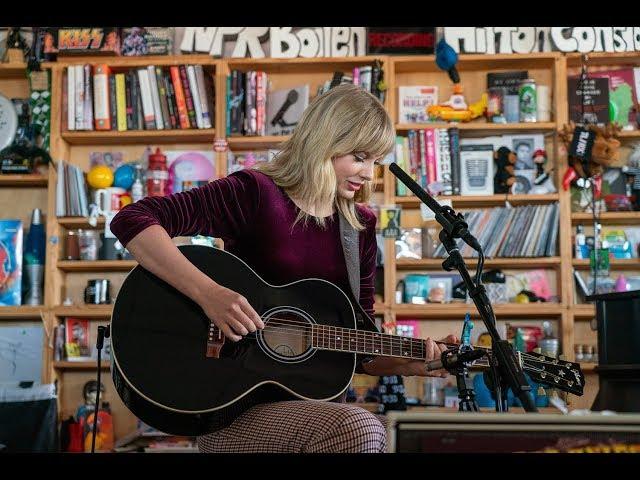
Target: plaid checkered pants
300, 426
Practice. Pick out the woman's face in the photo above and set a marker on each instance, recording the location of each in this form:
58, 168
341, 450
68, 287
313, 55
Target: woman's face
351, 172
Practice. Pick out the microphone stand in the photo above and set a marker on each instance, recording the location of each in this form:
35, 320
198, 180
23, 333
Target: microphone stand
507, 371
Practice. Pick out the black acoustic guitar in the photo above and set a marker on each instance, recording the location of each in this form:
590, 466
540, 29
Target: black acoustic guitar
174, 371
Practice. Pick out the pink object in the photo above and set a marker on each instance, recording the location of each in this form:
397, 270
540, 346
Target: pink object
621, 284
190, 166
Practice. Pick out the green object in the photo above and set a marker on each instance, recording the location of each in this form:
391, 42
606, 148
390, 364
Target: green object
603, 261
40, 103
620, 104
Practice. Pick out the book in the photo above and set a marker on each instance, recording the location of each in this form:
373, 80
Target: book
147, 99
11, 246
595, 95
413, 102
71, 98
510, 81
193, 86
181, 105
121, 102
204, 95
285, 108
155, 97
622, 94
476, 167
188, 96
76, 344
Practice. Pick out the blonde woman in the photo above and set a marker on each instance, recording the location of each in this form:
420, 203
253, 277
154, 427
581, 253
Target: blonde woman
282, 219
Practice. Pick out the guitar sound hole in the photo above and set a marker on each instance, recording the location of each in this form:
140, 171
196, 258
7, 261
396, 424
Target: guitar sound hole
286, 335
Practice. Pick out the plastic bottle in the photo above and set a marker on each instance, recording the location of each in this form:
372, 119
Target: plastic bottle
137, 189
157, 175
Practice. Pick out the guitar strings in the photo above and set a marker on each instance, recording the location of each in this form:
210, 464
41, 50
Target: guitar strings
389, 339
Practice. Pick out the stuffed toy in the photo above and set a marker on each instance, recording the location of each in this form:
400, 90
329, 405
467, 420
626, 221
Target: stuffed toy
605, 153
505, 170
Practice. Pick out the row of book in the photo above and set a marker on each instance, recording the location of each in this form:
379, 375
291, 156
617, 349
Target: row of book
146, 98
369, 77
254, 108
71, 191
527, 231
72, 342
430, 156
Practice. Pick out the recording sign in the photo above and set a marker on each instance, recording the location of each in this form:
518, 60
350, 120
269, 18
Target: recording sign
401, 41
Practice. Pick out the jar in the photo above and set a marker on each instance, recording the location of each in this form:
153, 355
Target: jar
72, 246
579, 351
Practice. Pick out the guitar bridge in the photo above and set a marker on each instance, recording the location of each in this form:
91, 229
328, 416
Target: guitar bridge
215, 341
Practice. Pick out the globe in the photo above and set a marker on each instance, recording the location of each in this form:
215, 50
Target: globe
124, 176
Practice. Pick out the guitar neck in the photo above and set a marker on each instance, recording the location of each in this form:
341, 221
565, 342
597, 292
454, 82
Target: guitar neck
325, 337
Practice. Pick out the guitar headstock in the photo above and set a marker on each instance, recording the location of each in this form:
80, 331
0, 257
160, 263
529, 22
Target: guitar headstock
561, 374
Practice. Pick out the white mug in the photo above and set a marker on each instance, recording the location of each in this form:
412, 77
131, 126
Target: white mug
109, 199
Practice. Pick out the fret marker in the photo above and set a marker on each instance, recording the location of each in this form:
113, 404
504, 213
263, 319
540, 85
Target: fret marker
376, 350
406, 353
338, 338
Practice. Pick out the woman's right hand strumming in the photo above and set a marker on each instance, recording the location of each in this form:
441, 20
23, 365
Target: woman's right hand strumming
230, 312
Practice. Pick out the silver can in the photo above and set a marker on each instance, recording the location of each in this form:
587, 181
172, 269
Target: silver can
528, 99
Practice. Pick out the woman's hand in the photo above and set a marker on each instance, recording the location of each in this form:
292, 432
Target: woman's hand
230, 312
434, 351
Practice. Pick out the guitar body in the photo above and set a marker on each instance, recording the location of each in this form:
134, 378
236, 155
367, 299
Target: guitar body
161, 368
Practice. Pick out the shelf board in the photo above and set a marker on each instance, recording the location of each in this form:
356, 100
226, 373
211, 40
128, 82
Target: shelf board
608, 218
457, 311
615, 264
13, 69
583, 312
588, 367
21, 312
481, 126
96, 265
26, 180
574, 59
78, 222
192, 135
135, 61
64, 365
84, 311
252, 142
436, 263
411, 201
629, 134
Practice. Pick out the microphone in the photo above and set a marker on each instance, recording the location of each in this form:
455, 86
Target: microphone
451, 361
453, 223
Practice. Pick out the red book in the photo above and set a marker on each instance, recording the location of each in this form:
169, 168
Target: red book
188, 96
183, 114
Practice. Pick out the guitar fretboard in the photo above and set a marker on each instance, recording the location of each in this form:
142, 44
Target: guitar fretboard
358, 341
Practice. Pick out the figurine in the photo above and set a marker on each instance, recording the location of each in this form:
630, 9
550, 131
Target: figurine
542, 183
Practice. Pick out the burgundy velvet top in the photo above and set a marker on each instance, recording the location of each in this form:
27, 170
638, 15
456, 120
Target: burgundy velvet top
254, 216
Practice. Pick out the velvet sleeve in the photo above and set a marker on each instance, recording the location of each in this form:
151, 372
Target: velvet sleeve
224, 208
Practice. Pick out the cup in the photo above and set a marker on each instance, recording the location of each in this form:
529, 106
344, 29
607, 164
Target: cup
511, 106
89, 244
111, 199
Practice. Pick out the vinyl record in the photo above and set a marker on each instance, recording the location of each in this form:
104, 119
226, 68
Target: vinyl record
8, 122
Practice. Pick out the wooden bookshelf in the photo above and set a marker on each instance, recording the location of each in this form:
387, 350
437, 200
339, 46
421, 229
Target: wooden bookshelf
205, 135
457, 311
608, 218
26, 180
84, 311
614, 264
23, 312
96, 265
482, 127
475, 201
436, 263
79, 222
64, 365
73, 146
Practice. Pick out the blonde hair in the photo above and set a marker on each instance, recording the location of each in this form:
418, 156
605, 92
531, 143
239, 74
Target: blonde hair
344, 120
